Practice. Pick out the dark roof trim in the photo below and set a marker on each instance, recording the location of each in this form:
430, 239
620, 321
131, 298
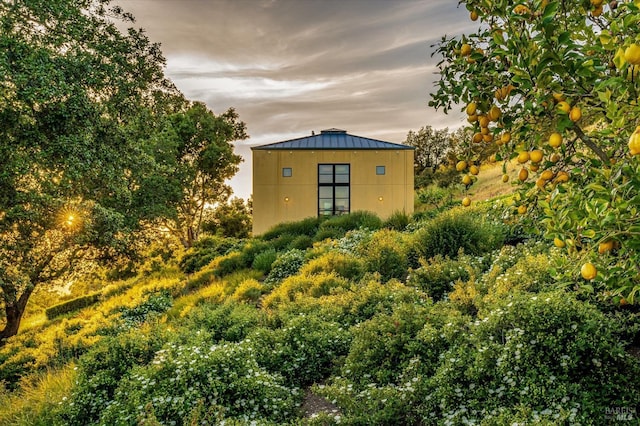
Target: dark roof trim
334, 139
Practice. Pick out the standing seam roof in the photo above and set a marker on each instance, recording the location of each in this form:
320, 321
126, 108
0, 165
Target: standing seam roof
332, 139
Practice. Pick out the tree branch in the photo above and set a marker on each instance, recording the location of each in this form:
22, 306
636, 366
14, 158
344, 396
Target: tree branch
592, 145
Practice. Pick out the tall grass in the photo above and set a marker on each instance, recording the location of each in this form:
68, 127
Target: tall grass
39, 398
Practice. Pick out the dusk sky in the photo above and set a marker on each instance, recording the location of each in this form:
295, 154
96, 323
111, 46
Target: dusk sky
292, 66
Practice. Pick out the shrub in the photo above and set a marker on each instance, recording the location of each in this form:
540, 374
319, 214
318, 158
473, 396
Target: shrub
433, 195
229, 263
204, 251
301, 242
308, 227
263, 261
380, 347
397, 221
354, 304
102, 368
156, 303
294, 286
329, 233
253, 248
351, 221
304, 350
230, 321
437, 275
248, 291
558, 357
71, 305
454, 230
345, 265
386, 254
180, 378
285, 265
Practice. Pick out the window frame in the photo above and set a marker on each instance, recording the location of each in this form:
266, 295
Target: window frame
334, 180
285, 169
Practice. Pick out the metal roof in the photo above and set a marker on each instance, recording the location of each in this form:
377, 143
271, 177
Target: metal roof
332, 139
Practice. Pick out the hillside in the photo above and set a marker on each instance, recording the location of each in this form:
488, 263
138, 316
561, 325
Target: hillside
453, 316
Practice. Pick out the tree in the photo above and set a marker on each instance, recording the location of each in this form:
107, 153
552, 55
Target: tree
555, 85
431, 147
78, 176
204, 160
232, 219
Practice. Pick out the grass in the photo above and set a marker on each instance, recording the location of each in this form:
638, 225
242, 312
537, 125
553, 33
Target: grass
37, 398
489, 184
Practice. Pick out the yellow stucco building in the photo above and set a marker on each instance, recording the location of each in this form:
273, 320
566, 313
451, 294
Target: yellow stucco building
329, 173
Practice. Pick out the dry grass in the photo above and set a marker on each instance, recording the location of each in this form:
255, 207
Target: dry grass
489, 184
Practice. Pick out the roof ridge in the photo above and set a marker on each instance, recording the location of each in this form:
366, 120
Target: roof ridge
332, 139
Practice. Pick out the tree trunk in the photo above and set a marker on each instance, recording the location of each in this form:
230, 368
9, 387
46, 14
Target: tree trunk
13, 313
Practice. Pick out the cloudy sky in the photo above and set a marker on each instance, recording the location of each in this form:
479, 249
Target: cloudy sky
292, 66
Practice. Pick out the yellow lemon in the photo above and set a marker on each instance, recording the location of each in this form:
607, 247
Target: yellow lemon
555, 140
634, 142
588, 271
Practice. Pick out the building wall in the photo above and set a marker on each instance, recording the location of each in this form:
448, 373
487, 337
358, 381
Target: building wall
279, 199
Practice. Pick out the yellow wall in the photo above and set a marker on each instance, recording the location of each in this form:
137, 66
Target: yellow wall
279, 199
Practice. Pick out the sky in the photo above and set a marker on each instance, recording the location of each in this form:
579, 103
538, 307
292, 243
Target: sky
290, 67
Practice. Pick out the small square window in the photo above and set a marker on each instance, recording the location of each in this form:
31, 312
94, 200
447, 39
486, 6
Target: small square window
286, 172
380, 170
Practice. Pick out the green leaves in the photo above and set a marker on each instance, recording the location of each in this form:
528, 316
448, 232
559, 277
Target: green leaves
552, 52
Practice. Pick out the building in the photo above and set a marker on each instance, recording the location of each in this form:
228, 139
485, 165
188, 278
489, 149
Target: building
330, 173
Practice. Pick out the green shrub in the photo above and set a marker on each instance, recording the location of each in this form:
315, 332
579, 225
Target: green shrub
249, 291
228, 264
386, 254
437, 275
285, 265
264, 261
71, 305
301, 242
297, 285
345, 265
252, 248
308, 227
304, 350
205, 250
155, 304
434, 196
397, 221
329, 233
283, 241
558, 357
102, 368
230, 321
227, 378
381, 345
457, 230
351, 221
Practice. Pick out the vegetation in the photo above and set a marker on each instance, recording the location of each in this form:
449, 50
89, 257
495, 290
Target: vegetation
555, 87
380, 321
98, 147
453, 315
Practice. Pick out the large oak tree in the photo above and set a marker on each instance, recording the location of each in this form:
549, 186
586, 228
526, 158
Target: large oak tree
90, 143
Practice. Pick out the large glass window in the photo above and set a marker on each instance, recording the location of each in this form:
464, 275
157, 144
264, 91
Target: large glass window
333, 189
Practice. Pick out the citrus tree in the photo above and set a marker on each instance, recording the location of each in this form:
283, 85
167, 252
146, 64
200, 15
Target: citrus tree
555, 85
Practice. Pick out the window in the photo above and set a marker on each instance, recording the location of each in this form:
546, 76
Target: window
333, 189
381, 170
287, 172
